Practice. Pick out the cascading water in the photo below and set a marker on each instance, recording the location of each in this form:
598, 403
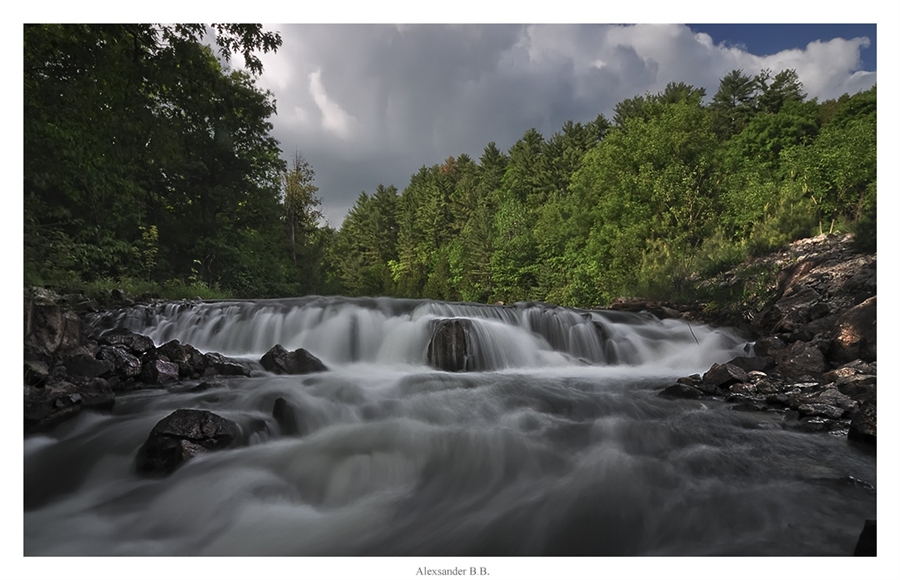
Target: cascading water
556, 443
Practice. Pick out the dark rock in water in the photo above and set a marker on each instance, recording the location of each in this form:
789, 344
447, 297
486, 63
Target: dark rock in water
449, 348
723, 376
191, 362
182, 435
205, 386
222, 365
867, 544
125, 364
854, 335
863, 426
136, 344
159, 371
299, 362
681, 391
289, 420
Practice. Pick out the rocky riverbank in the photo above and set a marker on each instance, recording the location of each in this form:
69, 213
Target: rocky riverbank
811, 309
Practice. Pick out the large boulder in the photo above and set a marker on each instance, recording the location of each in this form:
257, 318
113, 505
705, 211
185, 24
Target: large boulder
278, 360
854, 335
449, 348
183, 434
863, 428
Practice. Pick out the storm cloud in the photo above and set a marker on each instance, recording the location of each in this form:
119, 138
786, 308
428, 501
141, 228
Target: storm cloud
369, 104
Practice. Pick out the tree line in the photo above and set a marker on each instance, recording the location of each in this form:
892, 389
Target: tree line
146, 158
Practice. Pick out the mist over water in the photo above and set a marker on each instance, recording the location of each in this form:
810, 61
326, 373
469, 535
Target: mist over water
558, 444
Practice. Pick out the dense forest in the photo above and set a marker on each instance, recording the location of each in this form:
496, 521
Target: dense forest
149, 163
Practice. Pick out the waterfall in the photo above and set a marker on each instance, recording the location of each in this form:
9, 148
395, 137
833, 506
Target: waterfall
394, 331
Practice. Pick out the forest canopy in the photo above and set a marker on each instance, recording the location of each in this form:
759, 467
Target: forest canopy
148, 160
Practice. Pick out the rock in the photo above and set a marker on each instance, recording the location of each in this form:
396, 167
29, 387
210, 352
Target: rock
87, 367
681, 391
867, 544
855, 334
768, 345
191, 362
58, 401
49, 328
449, 349
856, 379
159, 371
278, 360
723, 376
222, 365
753, 363
183, 434
863, 426
136, 344
287, 418
125, 364
801, 359
36, 373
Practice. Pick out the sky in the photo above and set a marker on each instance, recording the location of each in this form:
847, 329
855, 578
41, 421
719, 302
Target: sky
369, 104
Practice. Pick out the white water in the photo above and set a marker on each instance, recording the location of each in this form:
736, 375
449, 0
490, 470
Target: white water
560, 446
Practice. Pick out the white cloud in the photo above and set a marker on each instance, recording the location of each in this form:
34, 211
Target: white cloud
334, 118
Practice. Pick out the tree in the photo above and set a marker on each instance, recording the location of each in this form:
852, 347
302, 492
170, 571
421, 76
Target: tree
302, 209
733, 104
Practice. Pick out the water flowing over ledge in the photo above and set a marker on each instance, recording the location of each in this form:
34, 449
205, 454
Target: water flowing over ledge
397, 332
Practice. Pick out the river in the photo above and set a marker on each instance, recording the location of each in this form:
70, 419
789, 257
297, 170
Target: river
556, 443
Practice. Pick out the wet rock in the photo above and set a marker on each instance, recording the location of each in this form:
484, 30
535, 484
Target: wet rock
278, 360
290, 420
222, 365
136, 344
159, 371
723, 376
863, 427
449, 348
183, 434
191, 362
855, 334
125, 364
867, 544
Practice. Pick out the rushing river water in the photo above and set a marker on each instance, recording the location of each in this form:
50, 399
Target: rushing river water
557, 445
